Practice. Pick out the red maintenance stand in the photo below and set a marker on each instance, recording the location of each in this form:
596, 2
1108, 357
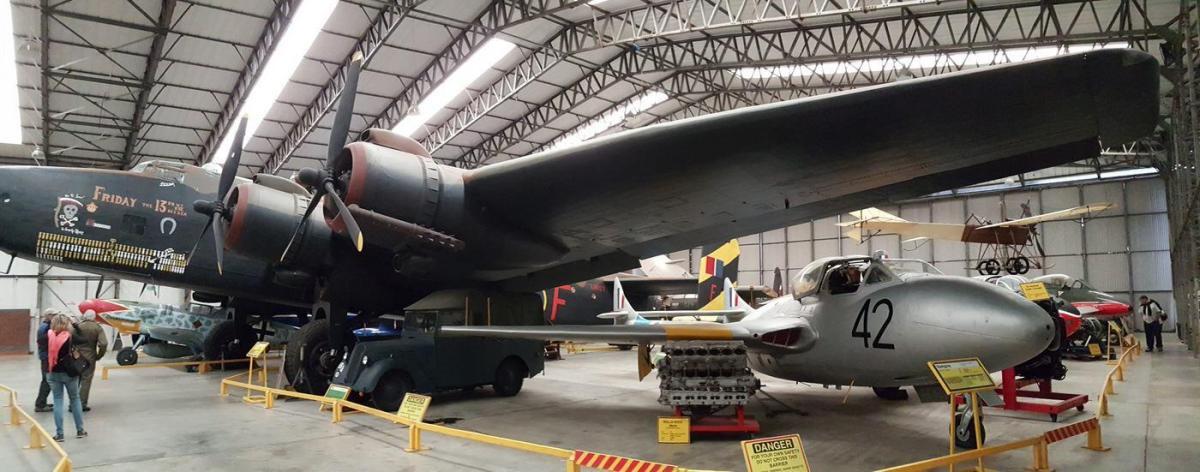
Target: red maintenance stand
735, 424
1011, 390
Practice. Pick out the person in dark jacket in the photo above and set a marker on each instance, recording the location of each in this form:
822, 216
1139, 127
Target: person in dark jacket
90, 341
40, 405
1153, 317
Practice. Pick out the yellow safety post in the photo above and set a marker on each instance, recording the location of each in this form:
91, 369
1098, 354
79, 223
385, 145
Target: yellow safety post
12, 408
977, 420
414, 438
572, 466
1104, 402
1041, 457
1120, 371
1095, 440
104, 373
35, 439
953, 407
337, 411
847, 396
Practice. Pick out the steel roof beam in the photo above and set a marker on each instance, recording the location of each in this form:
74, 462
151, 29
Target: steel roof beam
498, 15
970, 28
376, 36
274, 29
165, 14
645, 26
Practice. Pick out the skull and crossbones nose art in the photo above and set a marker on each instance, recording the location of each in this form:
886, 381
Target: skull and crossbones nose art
66, 214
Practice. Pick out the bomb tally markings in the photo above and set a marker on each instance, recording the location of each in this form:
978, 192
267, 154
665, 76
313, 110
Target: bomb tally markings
59, 247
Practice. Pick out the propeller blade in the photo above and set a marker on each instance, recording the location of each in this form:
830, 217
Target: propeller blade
197, 245
347, 218
312, 205
345, 111
230, 169
219, 238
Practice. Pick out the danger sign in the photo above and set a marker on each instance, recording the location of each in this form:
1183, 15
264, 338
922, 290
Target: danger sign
775, 454
414, 406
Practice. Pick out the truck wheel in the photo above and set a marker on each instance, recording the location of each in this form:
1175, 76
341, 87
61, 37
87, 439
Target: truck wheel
390, 390
223, 343
307, 366
891, 393
127, 356
509, 377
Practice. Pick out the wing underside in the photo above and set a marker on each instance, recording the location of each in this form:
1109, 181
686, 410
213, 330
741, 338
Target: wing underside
646, 192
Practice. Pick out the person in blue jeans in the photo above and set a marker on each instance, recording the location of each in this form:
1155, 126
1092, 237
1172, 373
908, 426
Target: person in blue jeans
59, 352
40, 405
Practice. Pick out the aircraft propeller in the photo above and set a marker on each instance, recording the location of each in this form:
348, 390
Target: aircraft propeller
323, 181
216, 210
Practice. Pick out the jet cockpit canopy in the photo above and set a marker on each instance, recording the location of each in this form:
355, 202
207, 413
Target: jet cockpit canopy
840, 275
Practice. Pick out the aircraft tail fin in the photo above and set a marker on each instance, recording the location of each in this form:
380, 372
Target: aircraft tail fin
622, 312
732, 302
719, 262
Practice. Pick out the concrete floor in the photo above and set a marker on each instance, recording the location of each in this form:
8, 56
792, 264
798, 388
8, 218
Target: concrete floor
165, 419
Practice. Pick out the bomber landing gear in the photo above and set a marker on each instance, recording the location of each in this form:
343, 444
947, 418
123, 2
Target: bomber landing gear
228, 342
310, 362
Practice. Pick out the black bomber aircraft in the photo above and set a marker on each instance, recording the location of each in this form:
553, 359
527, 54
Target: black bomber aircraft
394, 225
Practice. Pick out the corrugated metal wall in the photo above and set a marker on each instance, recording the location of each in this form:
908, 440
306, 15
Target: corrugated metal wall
1123, 252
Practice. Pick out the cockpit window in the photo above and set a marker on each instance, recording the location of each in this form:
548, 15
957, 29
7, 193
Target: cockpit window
876, 274
169, 171
809, 279
846, 276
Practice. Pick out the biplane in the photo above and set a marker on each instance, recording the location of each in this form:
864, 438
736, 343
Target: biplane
1013, 246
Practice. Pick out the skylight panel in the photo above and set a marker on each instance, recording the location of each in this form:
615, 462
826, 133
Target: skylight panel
301, 32
10, 109
462, 77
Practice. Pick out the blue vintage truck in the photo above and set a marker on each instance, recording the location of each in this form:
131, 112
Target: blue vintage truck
387, 364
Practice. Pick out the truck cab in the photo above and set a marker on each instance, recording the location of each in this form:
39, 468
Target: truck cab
420, 360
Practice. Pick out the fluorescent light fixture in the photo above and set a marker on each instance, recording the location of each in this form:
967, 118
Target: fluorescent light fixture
301, 32
462, 77
608, 120
10, 109
922, 61
596, 2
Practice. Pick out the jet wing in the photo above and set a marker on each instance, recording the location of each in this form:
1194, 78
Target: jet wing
1085, 211
610, 201
617, 334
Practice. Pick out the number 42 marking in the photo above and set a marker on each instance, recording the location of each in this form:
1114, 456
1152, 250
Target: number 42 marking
862, 321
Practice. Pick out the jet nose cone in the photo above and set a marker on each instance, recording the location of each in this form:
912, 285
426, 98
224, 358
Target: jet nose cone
977, 319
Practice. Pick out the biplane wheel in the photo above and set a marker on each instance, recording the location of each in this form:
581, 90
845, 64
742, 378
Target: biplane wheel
988, 267
1017, 265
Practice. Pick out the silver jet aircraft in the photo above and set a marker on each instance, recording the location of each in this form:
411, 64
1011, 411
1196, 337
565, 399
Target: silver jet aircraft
855, 320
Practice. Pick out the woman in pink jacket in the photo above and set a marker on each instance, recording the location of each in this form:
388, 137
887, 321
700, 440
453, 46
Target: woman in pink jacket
59, 347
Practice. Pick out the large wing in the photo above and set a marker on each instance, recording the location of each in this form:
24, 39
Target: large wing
906, 229
617, 334
610, 201
1085, 211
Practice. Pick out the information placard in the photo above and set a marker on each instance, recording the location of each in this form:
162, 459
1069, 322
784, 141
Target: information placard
259, 348
775, 454
413, 407
1094, 349
1035, 291
337, 392
962, 375
674, 430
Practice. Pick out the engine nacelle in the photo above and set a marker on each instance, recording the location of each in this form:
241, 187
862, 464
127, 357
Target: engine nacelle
403, 185
264, 218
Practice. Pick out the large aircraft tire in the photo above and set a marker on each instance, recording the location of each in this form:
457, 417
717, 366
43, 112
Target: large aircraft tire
390, 390
510, 376
223, 343
303, 358
127, 356
891, 393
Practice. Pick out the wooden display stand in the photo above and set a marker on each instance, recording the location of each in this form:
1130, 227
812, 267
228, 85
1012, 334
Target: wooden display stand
259, 351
